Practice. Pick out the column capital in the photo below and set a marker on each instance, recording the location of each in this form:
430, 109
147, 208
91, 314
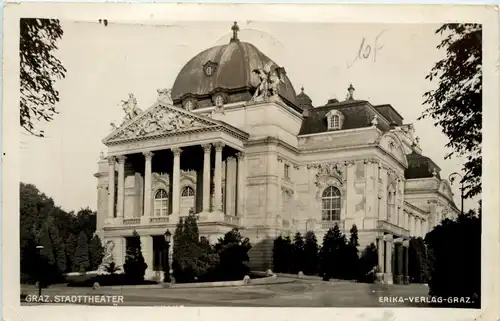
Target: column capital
406, 243
121, 159
399, 240
207, 148
111, 160
230, 158
148, 155
388, 237
219, 146
240, 155
177, 151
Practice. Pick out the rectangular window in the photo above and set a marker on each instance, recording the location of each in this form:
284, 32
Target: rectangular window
287, 171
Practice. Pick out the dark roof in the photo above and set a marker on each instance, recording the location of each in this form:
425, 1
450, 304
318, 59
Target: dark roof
232, 66
420, 166
390, 114
357, 114
303, 100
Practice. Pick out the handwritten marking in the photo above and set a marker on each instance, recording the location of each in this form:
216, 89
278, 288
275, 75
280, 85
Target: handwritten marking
365, 50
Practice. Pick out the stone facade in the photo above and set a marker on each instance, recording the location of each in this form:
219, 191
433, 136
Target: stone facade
269, 168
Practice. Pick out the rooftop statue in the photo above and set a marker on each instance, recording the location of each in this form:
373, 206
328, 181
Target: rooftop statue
130, 107
270, 79
164, 95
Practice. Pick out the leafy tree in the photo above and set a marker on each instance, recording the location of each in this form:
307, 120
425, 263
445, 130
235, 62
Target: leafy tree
297, 253
81, 259
39, 70
417, 261
332, 253
71, 245
233, 253
135, 266
454, 250
310, 254
367, 264
96, 252
57, 246
456, 104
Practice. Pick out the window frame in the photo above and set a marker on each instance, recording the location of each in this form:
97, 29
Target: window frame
163, 201
333, 200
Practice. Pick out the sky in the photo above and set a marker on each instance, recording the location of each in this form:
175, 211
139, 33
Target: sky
386, 63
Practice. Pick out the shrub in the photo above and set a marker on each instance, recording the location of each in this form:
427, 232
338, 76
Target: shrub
332, 254
297, 253
135, 266
81, 259
417, 261
96, 252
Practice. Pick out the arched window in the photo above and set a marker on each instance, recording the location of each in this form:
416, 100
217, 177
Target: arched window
161, 203
187, 191
330, 204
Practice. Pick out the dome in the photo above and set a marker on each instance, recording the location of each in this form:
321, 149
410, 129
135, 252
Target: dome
303, 100
227, 68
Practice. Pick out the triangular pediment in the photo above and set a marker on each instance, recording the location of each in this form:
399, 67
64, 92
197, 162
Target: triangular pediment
159, 120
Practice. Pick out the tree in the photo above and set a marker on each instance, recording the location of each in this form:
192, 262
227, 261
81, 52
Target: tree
71, 245
282, 251
332, 254
351, 255
39, 70
96, 252
135, 266
456, 104
81, 259
417, 261
310, 254
297, 253
454, 250
233, 253
367, 264
190, 259
58, 246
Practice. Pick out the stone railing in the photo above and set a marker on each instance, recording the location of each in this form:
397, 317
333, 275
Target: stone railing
231, 219
159, 220
384, 225
131, 221
326, 225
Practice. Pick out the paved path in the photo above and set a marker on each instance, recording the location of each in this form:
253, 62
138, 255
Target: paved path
299, 293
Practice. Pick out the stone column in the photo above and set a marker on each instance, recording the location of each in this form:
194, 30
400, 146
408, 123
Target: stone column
230, 185
176, 177
206, 177
398, 246
218, 176
241, 184
111, 187
121, 186
406, 247
147, 253
147, 184
380, 252
279, 195
388, 259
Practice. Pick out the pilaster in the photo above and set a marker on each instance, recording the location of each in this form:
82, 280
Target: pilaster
121, 186
241, 189
111, 187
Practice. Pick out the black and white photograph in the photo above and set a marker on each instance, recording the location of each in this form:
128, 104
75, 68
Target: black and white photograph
249, 163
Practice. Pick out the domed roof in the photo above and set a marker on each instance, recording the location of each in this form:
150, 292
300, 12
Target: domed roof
229, 67
303, 100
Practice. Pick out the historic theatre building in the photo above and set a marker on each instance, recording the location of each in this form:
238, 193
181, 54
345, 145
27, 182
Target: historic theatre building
233, 142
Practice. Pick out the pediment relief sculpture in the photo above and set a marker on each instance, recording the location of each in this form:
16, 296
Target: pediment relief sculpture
159, 120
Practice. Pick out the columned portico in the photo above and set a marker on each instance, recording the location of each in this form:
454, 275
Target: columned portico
111, 187
176, 181
121, 185
388, 240
148, 156
207, 148
218, 176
